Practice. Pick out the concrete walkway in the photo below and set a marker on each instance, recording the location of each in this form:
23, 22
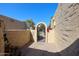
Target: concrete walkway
49, 49
39, 49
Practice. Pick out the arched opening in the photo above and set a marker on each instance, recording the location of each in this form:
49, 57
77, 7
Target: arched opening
41, 32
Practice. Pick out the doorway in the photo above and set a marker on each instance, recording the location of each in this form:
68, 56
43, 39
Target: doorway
41, 32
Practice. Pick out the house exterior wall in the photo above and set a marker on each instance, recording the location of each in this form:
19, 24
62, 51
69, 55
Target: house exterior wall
66, 30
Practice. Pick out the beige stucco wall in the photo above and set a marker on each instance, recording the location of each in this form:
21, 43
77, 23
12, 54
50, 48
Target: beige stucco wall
18, 37
66, 30
33, 32
51, 36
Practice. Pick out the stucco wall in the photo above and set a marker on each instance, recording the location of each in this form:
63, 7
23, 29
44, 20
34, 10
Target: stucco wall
66, 30
33, 35
50, 36
18, 37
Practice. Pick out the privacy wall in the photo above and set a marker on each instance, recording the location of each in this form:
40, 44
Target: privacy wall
65, 26
18, 38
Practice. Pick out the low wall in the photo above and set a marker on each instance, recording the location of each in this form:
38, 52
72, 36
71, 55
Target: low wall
18, 37
33, 34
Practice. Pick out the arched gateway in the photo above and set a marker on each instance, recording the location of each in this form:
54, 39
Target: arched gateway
41, 32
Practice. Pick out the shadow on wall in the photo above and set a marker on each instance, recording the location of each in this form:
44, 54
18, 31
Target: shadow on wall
31, 40
17, 51
31, 37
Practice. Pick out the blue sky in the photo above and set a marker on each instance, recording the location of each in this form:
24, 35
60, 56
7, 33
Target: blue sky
38, 12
